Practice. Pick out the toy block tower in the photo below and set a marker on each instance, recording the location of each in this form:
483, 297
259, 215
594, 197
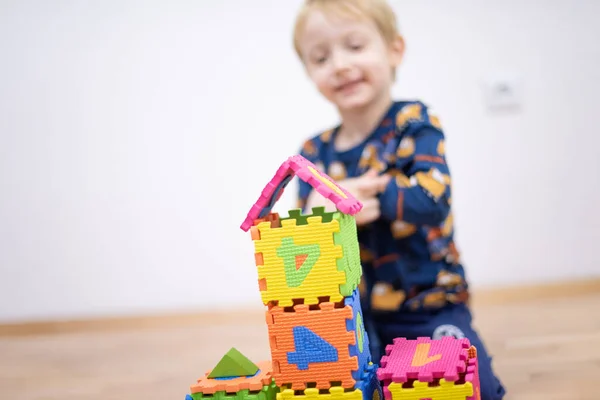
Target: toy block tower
439, 369
235, 377
308, 275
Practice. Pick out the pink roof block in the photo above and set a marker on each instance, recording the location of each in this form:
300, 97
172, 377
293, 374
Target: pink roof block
308, 172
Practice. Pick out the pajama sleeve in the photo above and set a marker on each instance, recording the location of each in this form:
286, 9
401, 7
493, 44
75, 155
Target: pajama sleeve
419, 191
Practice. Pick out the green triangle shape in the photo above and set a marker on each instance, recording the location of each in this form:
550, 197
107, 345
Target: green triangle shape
233, 364
288, 251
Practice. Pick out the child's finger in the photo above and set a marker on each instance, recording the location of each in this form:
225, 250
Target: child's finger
368, 188
371, 173
370, 211
383, 182
370, 203
373, 186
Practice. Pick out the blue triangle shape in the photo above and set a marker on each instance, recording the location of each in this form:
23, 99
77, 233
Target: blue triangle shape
310, 348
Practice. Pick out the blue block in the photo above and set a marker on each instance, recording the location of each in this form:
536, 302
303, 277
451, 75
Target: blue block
370, 386
361, 349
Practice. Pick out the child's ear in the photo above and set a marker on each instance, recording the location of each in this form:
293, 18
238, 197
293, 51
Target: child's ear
397, 48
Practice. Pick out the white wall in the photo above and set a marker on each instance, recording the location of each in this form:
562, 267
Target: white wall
133, 140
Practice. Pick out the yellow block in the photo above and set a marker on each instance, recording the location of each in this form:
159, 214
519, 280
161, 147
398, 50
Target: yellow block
422, 390
317, 273
335, 393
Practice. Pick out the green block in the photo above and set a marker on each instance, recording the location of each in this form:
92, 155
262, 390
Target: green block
347, 237
266, 393
233, 364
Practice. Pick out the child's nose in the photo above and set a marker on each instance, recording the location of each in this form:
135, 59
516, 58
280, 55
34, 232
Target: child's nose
340, 61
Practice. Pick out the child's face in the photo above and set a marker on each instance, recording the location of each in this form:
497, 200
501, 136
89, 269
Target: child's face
348, 59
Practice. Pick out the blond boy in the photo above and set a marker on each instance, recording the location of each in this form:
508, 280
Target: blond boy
390, 155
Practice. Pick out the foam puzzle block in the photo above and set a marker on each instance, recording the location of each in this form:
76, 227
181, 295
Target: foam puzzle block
307, 258
334, 393
369, 385
439, 369
366, 389
443, 390
268, 392
312, 346
256, 383
297, 165
361, 349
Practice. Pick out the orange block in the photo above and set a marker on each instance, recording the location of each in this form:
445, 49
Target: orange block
262, 378
311, 345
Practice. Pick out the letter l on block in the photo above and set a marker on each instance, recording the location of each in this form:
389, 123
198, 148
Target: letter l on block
422, 357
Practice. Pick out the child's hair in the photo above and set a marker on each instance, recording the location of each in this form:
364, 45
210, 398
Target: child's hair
378, 11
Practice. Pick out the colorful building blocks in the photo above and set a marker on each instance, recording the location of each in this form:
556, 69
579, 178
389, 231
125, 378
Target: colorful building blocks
305, 257
308, 274
309, 271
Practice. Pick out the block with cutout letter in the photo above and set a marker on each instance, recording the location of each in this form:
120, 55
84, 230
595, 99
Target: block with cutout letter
437, 369
306, 258
318, 346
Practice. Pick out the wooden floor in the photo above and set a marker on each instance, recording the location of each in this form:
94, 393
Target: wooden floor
543, 349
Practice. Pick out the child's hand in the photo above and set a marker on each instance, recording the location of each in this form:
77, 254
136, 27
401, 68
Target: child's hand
370, 212
366, 188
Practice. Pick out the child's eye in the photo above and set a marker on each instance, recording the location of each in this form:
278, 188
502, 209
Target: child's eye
356, 46
320, 59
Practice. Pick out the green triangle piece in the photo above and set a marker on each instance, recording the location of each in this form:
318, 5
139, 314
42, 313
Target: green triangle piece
233, 364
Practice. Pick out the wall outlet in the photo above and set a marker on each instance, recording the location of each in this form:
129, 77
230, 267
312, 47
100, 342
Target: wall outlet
503, 92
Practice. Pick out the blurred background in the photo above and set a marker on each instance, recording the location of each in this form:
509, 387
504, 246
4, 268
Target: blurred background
137, 135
